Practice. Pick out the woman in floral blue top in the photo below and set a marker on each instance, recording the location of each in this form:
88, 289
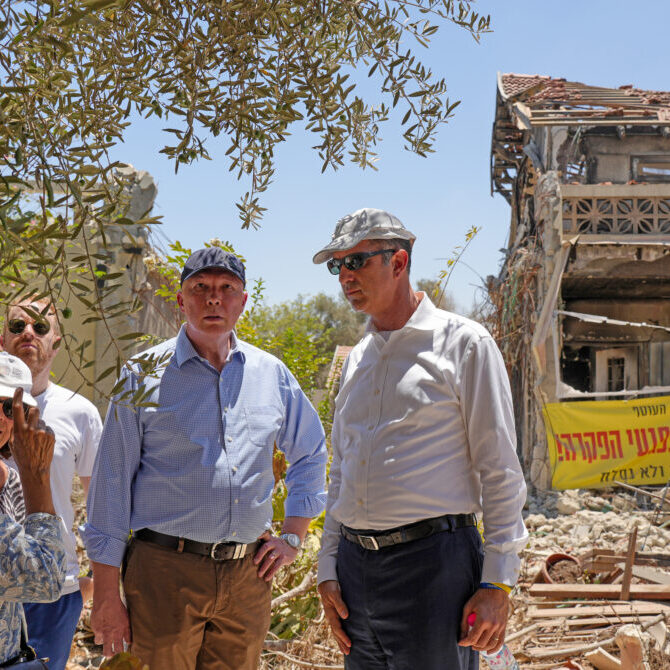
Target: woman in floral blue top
32, 555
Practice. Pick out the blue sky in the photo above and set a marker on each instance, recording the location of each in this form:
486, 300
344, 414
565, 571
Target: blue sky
597, 42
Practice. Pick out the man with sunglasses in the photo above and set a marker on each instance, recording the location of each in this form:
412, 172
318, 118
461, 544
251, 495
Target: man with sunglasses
31, 332
423, 438
191, 474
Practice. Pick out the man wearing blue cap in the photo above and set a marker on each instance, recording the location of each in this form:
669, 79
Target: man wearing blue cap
191, 475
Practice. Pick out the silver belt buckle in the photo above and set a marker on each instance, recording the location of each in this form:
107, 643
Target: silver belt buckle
238, 552
372, 539
212, 551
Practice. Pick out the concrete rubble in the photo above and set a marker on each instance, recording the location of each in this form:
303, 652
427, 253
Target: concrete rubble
583, 524
568, 522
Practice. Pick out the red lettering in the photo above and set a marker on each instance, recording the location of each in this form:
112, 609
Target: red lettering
603, 443
591, 448
640, 437
570, 454
663, 433
616, 447
559, 447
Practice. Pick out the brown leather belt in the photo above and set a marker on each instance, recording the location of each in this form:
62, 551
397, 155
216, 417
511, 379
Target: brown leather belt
218, 551
378, 539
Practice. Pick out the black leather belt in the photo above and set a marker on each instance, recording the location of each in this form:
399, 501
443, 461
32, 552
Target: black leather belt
219, 551
378, 539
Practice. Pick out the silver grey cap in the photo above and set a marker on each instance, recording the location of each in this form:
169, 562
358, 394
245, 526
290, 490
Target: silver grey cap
364, 224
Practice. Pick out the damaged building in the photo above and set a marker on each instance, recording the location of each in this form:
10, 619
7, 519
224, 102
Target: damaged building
581, 307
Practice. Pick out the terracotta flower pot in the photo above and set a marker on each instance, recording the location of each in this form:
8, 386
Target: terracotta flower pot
551, 560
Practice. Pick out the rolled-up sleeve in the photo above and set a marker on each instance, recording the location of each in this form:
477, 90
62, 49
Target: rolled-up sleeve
489, 418
110, 495
302, 441
32, 559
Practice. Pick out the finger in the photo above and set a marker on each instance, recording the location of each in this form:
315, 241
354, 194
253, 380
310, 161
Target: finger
17, 410
108, 646
338, 604
496, 641
261, 552
33, 418
343, 640
267, 563
473, 636
276, 561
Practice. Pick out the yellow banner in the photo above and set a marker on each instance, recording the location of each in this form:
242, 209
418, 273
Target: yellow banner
591, 444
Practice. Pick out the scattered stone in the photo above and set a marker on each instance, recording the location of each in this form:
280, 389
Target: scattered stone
568, 504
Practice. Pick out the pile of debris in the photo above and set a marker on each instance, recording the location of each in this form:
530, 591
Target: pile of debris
595, 585
594, 591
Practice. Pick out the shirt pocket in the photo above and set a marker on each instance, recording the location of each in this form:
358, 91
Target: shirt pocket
263, 424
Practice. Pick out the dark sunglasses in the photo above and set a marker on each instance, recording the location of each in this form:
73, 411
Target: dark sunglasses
7, 408
354, 262
17, 326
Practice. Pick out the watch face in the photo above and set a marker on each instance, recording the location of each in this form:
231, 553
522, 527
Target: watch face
291, 539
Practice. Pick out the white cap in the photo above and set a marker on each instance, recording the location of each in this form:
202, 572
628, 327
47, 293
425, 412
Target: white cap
14, 374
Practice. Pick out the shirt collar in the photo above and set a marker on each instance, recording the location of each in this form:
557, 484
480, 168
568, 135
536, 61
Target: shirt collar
184, 349
423, 317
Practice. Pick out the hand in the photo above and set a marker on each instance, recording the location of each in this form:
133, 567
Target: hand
272, 554
335, 610
33, 441
32, 446
488, 632
109, 621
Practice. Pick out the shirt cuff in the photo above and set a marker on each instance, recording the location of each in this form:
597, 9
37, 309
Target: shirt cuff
305, 506
102, 548
501, 568
327, 569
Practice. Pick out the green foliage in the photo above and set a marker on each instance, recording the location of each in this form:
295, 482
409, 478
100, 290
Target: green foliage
292, 617
73, 73
304, 333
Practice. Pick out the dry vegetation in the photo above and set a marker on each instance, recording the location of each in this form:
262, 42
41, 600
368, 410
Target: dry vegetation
572, 522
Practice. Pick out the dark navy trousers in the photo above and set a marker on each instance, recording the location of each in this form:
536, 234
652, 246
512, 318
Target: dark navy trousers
406, 601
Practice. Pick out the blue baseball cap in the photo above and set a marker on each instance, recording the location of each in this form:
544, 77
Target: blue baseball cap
210, 259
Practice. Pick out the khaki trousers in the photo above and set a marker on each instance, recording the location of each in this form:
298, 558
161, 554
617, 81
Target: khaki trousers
189, 612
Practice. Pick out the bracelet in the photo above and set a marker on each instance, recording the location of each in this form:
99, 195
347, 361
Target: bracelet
495, 585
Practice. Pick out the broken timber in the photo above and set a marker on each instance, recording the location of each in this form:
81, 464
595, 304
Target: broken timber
607, 591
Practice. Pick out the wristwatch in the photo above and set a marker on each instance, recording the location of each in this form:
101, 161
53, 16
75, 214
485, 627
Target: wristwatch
291, 539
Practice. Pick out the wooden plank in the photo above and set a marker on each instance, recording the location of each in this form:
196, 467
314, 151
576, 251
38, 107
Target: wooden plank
651, 575
628, 568
632, 653
601, 660
602, 621
607, 591
611, 609
605, 563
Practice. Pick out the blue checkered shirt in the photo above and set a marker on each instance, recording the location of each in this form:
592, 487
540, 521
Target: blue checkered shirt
199, 464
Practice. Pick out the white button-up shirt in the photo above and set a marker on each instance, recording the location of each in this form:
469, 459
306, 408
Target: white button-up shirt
423, 427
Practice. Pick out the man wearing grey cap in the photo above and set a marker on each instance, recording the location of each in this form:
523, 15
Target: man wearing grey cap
190, 473
423, 439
